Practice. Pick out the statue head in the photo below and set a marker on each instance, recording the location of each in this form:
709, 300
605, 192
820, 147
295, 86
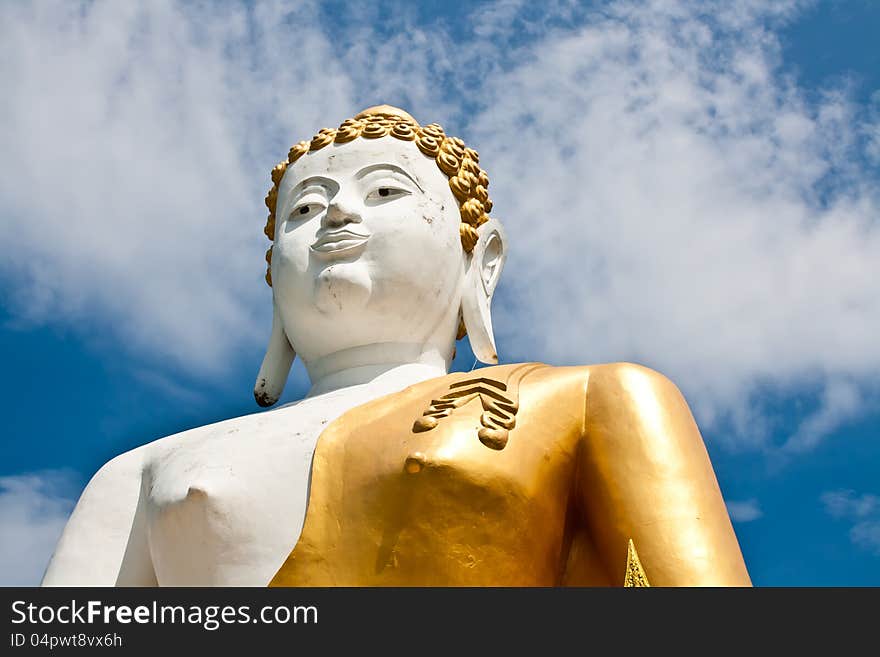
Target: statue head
381, 236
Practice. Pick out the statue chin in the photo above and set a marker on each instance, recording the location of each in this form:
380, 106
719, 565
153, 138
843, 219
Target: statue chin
342, 287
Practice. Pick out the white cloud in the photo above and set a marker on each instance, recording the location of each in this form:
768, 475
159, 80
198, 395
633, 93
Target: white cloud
848, 504
744, 511
33, 510
866, 534
671, 197
680, 203
134, 140
862, 510
840, 401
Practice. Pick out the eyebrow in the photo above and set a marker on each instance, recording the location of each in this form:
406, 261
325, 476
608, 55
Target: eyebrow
311, 180
391, 167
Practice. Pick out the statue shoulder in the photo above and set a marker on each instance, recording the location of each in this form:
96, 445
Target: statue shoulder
629, 374
95, 538
647, 403
622, 391
633, 382
248, 424
118, 471
129, 466
593, 378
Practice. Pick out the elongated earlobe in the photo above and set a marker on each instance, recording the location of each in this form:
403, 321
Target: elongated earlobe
276, 364
484, 270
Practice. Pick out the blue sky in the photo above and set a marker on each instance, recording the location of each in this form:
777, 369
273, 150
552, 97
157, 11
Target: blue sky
690, 186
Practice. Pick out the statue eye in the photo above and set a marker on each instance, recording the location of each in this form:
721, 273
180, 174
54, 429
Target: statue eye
304, 210
387, 193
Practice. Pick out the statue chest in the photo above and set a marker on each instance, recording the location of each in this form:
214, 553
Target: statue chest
226, 503
466, 482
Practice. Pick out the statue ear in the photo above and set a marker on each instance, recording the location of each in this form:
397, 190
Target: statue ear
484, 267
276, 363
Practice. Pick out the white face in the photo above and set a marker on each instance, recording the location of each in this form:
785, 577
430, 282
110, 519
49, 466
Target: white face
367, 249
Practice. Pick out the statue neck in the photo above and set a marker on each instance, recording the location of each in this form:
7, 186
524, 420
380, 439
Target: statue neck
397, 364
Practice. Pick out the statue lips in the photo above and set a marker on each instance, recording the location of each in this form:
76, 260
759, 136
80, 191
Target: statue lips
339, 242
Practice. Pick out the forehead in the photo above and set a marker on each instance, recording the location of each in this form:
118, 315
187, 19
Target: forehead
340, 161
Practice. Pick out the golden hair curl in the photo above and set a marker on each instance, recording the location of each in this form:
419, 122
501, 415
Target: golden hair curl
459, 163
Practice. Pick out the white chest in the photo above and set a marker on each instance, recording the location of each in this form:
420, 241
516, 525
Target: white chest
226, 503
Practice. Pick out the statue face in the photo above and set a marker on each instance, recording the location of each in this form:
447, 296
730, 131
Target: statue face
367, 249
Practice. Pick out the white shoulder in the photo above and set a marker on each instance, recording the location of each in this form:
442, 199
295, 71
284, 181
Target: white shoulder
93, 544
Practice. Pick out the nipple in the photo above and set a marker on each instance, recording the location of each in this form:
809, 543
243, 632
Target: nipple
415, 463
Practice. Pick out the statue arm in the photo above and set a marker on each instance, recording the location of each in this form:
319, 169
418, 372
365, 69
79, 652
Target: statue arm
105, 540
644, 474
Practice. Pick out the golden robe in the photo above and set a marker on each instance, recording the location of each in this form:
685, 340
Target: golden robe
517, 475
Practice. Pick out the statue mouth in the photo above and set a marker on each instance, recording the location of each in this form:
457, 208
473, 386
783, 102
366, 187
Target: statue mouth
339, 242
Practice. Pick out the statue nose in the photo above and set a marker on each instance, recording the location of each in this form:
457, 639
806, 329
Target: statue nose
341, 212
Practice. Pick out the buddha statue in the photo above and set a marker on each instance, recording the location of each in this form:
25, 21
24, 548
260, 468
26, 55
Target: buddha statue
392, 470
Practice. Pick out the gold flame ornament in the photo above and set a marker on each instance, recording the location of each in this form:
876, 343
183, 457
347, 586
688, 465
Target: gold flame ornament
635, 574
